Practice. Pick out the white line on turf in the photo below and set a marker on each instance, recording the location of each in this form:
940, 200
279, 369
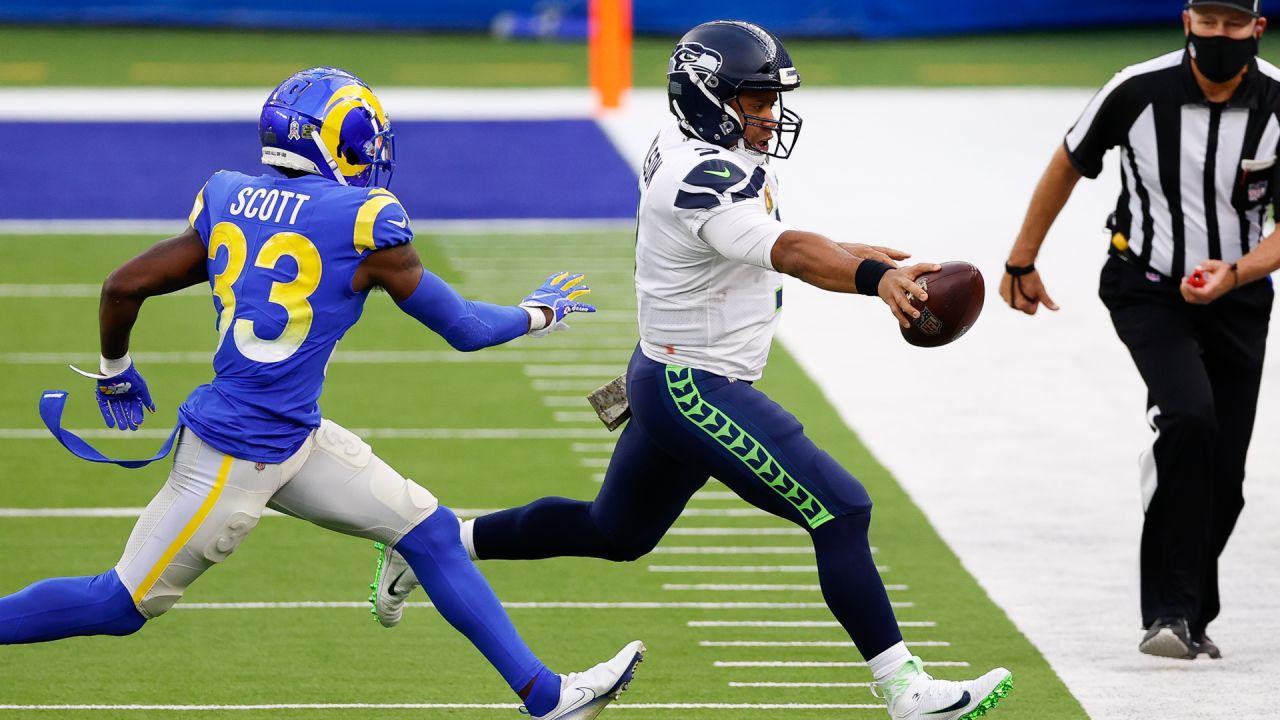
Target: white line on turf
441, 706
735, 531
714, 495
799, 684
564, 400
734, 587
366, 433
734, 568
734, 550
806, 643
72, 290
568, 416
584, 605
133, 512
795, 623
818, 663
514, 226
362, 357
574, 371
741, 587
584, 385
594, 462
591, 447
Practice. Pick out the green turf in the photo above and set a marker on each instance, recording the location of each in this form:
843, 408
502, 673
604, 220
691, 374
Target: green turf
340, 655
243, 58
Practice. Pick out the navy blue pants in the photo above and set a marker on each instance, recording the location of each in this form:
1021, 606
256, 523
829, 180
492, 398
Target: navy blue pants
688, 425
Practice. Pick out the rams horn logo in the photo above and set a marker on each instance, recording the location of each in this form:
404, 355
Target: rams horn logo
697, 58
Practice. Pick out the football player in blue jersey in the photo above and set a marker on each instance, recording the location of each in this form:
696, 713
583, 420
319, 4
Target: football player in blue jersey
291, 257
711, 250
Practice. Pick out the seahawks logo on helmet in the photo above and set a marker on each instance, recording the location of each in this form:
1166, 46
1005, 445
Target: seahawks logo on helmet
697, 57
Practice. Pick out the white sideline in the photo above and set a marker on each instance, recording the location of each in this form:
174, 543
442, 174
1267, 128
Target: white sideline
736, 531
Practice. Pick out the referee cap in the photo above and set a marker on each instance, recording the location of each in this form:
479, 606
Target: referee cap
1244, 6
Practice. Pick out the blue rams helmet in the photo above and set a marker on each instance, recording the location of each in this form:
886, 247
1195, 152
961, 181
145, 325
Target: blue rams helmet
716, 61
327, 122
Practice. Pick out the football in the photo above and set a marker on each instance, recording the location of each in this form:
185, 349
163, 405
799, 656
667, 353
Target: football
955, 301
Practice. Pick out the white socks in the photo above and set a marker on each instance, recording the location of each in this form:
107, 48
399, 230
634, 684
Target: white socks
465, 532
888, 663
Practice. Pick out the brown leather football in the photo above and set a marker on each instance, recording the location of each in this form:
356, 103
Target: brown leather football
955, 301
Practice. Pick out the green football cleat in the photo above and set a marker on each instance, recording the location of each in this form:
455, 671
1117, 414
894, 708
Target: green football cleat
392, 584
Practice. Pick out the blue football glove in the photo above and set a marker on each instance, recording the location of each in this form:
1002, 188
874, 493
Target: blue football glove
558, 294
121, 397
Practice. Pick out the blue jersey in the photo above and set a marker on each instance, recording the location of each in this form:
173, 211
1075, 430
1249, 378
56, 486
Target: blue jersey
282, 255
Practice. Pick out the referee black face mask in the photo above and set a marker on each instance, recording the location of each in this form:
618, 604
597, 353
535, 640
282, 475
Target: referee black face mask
1220, 58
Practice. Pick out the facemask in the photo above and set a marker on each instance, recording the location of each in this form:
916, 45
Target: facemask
1220, 58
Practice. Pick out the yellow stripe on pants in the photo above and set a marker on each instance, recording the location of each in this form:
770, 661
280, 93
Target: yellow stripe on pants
192, 525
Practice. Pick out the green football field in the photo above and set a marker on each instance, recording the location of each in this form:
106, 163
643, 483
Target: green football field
40, 56
718, 603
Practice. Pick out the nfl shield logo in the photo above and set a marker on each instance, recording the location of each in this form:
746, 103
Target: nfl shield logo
928, 323
1257, 191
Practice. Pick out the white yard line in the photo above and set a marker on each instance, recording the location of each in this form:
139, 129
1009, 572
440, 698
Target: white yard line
736, 531
806, 643
567, 416
734, 550
164, 228
815, 664
794, 623
605, 372
751, 587
365, 433
133, 512
592, 447
584, 385
385, 357
438, 706
715, 495
799, 684
582, 605
733, 568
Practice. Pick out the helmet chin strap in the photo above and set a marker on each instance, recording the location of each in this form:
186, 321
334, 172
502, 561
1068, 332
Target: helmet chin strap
748, 152
328, 159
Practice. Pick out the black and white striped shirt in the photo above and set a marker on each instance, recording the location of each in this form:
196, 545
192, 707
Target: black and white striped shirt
1196, 177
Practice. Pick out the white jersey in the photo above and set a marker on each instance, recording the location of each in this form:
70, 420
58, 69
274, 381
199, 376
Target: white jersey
707, 292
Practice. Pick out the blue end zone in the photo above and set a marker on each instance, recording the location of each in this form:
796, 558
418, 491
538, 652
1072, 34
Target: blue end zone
444, 169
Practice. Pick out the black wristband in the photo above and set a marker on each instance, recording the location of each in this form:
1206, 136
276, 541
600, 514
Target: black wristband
1016, 271
867, 277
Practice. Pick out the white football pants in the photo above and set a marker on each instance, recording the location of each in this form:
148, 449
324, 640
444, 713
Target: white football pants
211, 501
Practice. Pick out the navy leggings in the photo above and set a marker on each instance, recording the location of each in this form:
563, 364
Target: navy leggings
688, 425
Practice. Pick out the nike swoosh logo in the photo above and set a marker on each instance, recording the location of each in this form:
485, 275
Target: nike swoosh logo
587, 696
391, 589
403, 222
719, 173
964, 700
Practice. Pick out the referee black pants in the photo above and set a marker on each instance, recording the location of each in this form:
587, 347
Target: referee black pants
1202, 365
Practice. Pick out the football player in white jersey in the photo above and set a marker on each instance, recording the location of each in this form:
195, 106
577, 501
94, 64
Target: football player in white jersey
711, 251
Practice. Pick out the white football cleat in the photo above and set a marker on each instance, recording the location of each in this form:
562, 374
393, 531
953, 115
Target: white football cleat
391, 586
584, 695
912, 694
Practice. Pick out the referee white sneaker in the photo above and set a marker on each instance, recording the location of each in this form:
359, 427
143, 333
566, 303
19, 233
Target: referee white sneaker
912, 694
584, 695
391, 586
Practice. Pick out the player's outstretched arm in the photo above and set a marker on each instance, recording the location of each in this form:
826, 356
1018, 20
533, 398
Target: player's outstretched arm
165, 267
825, 264
1025, 291
467, 325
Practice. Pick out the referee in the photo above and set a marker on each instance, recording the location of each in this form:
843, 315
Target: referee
1187, 285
